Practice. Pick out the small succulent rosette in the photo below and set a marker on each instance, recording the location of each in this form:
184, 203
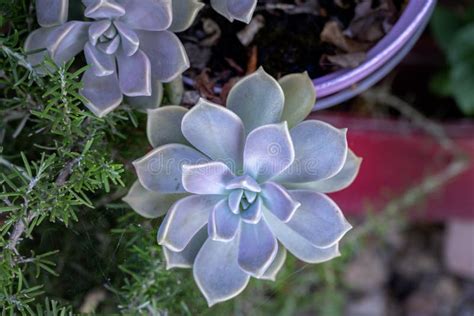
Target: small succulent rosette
242, 185
129, 45
241, 10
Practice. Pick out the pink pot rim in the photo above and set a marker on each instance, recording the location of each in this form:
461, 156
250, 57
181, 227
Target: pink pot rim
413, 17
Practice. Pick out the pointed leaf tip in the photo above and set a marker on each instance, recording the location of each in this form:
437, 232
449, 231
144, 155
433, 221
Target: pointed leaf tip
257, 99
300, 97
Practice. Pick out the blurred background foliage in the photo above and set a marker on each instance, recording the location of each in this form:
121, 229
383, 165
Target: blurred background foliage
454, 32
69, 245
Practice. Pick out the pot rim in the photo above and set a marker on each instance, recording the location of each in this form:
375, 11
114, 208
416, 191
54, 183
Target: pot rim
414, 17
372, 79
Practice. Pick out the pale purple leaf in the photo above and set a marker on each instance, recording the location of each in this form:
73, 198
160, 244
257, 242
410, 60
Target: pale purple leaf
215, 131
217, 273
161, 169
257, 249
184, 220
268, 151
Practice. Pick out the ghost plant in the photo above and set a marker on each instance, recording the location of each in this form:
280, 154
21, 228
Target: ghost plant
240, 185
240, 10
128, 44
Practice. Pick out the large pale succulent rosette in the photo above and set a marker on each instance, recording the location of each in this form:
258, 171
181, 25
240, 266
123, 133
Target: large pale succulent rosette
241, 10
240, 185
128, 43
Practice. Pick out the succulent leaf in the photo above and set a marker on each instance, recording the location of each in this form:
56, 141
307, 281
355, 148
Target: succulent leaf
223, 223
185, 258
249, 215
67, 40
130, 33
300, 97
241, 10
206, 178
137, 82
217, 273
184, 219
52, 12
166, 53
103, 93
101, 64
215, 131
37, 42
257, 99
300, 247
150, 204
147, 15
253, 213
234, 199
338, 182
316, 158
184, 13
277, 264
129, 39
257, 248
144, 103
318, 219
161, 169
97, 29
103, 9
164, 125
279, 201
263, 162
174, 91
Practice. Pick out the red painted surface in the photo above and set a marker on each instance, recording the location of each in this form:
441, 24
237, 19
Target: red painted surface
396, 157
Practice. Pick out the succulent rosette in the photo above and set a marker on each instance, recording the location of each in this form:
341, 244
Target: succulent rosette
241, 10
129, 45
242, 185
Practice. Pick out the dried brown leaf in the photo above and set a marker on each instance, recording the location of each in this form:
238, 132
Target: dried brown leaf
205, 86
213, 31
248, 33
350, 60
252, 63
332, 33
371, 24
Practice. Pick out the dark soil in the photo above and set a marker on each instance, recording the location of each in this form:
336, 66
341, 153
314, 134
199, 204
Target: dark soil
290, 41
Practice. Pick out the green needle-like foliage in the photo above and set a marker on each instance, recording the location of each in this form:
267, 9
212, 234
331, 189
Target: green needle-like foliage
54, 157
148, 288
61, 170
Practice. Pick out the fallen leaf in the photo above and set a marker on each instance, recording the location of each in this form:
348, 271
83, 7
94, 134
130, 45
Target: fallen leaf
234, 65
247, 34
333, 34
342, 3
213, 31
205, 86
371, 24
349, 60
253, 60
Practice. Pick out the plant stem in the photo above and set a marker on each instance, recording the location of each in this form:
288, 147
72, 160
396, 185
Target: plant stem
18, 231
11, 166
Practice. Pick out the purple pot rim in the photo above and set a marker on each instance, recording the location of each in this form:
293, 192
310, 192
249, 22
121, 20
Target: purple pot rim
370, 80
413, 17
